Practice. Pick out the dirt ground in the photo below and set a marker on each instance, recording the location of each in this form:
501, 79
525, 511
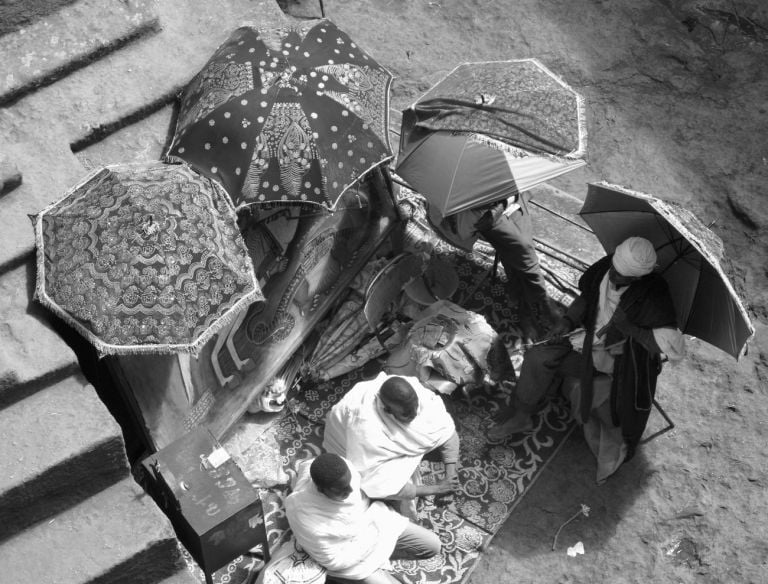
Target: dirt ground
676, 103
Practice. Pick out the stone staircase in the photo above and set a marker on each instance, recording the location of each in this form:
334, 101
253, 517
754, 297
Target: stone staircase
83, 83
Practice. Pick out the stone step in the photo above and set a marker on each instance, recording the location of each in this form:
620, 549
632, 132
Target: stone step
33, 351
69, 38
554, 214
117, 536
123, 88
59, 447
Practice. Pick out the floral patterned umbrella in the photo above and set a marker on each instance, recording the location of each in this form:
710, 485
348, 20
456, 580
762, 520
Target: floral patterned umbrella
489, 131
294, 114
144, 258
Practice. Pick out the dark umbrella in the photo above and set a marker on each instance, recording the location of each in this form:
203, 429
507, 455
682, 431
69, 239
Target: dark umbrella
144, 258
488, 131
689, 257
294, 114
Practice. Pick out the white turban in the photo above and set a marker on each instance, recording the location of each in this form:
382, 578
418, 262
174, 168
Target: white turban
634, 257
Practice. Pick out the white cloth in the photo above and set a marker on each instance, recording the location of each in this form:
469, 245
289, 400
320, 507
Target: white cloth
603, 438
670, 340
289, 563
606, 305
635, 256
386, 452
607, 302
351, 538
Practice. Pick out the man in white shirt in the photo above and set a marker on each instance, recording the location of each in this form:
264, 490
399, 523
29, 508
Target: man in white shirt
344, 531
384, 427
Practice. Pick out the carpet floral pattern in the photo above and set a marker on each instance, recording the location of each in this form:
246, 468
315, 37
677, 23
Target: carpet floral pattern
494, 476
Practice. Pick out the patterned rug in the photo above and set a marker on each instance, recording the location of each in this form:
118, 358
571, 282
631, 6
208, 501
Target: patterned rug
494, 476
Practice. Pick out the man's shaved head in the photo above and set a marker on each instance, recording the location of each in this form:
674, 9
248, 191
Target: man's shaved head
399, 399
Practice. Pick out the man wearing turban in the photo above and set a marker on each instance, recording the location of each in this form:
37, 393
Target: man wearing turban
629, 321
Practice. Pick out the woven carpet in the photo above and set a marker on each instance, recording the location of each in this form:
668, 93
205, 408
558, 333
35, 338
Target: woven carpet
494, 477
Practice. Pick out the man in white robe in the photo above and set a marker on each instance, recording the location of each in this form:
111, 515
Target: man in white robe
344, 531
384, 427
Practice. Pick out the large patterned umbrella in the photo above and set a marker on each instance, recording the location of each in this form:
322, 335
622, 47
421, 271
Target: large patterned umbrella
294, 114
489, 131
689, 257
143, 258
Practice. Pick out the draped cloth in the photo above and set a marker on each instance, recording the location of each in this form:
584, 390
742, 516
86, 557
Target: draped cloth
448, 347
351, 538
385, 451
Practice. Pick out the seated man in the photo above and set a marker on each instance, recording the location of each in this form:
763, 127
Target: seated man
384, 427
629, 321
344, 531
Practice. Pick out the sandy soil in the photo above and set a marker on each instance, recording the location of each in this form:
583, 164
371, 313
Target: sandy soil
676, 96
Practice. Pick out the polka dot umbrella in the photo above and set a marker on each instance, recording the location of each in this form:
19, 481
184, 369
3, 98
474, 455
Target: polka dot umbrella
144, 258
293, 114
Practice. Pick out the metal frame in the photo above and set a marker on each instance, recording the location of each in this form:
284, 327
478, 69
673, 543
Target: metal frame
667, 428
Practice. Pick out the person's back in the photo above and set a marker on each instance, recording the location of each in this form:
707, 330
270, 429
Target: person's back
344, 531
384, 427
341, 529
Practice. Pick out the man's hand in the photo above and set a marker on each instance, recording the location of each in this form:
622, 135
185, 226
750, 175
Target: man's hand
447, 486
643, 335
562, 326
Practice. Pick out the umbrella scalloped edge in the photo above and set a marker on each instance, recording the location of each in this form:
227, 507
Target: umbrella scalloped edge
715, 262
103, 348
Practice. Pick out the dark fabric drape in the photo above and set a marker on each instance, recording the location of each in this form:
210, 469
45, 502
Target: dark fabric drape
647, 304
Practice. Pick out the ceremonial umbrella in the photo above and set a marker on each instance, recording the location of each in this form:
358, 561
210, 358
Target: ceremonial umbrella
689, 257
144, 258
294, 114
489, 131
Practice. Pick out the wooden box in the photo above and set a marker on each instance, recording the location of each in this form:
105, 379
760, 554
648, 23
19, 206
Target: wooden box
216, 512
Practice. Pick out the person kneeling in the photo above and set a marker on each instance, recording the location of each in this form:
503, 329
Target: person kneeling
344, 531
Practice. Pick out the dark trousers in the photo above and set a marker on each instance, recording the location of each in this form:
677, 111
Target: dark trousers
415, 543
512, 238
541, 373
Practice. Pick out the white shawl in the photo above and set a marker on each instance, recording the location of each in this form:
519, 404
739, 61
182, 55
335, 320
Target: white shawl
351, 538
385, 451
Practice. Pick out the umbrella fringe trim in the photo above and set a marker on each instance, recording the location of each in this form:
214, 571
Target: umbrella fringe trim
192, 348
693, 239
102, 348
581, 116
321, 206
581, 108
105, 349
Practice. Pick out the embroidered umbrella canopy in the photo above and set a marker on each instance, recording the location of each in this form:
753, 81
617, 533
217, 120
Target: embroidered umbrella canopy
489, 131
294, 114
689, 257
143, 258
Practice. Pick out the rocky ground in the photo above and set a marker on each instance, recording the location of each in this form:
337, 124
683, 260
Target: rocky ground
676, 104
676, 99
